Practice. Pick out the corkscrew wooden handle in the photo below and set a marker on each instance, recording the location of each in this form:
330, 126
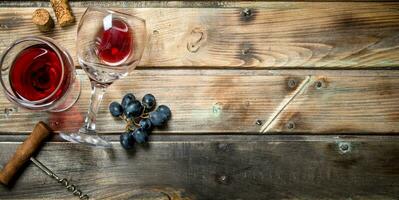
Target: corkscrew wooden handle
24, 152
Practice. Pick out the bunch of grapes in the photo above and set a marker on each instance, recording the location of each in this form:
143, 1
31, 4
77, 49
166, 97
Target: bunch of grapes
141, 118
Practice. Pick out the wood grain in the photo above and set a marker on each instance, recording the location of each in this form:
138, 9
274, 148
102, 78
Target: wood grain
203, 153
331, 104
199, 103
221, 167
232, 101
167, 4
279, 35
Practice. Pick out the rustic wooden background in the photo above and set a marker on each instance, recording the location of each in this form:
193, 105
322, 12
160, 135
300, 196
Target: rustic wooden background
270, 100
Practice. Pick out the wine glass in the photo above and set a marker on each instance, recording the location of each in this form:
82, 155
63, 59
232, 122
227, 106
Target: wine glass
109, 45
38, 74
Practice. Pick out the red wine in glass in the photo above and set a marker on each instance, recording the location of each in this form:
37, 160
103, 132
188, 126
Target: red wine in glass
36, 74
114, 42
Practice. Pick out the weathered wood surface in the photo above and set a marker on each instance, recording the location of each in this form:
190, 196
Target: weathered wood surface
279, 35
220, 101
179, 161
221, 167
166, 4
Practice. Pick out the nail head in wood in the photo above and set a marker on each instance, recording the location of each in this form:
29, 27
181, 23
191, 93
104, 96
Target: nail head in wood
292, 83
319, 84
222, 146
245, 51
290, 125
223, 179
344, 147
246, 12
8, 111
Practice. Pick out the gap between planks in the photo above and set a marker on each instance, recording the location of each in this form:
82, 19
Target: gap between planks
12, 138
170, 4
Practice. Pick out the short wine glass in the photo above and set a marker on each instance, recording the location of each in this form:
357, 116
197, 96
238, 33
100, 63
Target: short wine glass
38, 74
109, 45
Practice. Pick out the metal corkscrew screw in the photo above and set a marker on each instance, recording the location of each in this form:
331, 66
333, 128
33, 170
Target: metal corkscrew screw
65, 182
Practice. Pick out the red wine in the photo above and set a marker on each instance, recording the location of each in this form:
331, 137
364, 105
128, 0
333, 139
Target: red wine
115, 43
36, 72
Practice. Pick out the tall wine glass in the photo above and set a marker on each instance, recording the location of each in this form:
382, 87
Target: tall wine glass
109, 45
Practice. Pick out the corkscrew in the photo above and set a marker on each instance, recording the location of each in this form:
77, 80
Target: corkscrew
25, 152
65, 182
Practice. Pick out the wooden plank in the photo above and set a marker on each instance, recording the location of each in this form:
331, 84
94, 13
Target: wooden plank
336, 104
253, 167
232, 101
166, 4
280, 35
200, 103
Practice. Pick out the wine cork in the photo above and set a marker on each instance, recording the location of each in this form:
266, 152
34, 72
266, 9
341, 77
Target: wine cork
24, 152
62, 12
42, 19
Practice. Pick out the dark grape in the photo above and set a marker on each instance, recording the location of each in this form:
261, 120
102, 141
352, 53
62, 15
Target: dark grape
140, 135
165, 109
115, 109
129, 97
145, 124
133, 109
149, 102
158, 118
127, 140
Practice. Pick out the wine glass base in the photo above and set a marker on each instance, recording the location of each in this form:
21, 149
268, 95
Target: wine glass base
90, 139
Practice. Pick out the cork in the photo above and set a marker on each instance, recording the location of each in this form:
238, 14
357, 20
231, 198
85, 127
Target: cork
24, 152
42, 19
62, 12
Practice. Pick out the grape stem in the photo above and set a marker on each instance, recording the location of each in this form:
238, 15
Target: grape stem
130, 122
135, 123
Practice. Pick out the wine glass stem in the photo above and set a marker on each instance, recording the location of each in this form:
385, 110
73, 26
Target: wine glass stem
97, 94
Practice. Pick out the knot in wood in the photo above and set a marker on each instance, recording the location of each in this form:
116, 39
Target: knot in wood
196, 38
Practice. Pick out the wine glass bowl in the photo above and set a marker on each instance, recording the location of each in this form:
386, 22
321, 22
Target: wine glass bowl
38, 74
109, 45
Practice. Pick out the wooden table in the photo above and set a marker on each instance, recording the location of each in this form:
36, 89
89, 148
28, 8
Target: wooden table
270, 100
